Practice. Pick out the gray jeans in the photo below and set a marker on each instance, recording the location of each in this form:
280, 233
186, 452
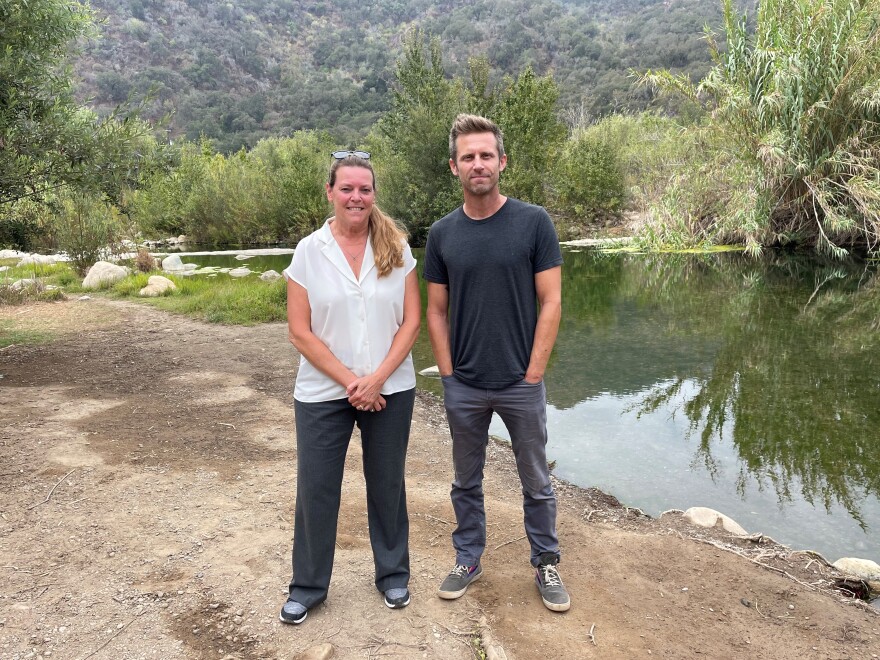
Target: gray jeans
323, 432
523, 409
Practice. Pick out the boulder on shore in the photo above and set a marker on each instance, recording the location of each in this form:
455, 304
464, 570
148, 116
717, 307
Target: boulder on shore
864, 569
157, 286
172, 263
705, 517
102, 274
26, 283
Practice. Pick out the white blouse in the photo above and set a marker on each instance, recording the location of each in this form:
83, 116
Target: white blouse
356, 318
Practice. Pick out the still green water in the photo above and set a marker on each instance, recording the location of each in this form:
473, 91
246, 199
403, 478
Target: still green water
748, 386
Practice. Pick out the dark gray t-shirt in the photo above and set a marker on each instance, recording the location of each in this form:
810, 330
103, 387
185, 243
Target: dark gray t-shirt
489, 266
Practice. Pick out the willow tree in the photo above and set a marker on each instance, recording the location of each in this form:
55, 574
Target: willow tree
792, 128
51, 147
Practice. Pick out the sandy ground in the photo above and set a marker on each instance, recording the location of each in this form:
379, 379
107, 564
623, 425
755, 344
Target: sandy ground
148, 472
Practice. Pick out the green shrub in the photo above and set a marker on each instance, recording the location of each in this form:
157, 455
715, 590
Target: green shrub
589, 178
86, 227
272, 193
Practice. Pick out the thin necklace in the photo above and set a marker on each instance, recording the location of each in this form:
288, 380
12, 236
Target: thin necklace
353, 257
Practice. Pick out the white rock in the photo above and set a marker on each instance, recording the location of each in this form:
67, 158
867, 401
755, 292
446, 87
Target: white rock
3, 269
172, 262
861, 568
157, 286
103, 273
11, 254
242, 257
431, 372
270, 276
27, 283
239, 272
39, 259
705, 517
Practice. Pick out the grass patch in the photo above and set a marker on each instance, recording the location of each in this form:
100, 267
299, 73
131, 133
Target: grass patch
59, 275
221, 299
12, 336
130, 286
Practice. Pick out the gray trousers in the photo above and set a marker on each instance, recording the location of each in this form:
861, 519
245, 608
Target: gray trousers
323, 433
523, 409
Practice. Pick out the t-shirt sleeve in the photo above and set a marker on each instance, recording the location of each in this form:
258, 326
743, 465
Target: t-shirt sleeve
435, 268
547, 251
296, 271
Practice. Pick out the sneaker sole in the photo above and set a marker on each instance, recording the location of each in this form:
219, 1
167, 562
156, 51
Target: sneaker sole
294, 622
397, 606
556, 607
452, 595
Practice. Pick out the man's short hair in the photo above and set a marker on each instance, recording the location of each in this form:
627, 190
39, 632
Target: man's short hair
466, 125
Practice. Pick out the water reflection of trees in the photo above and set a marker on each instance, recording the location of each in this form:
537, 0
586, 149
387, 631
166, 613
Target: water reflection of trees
794, 383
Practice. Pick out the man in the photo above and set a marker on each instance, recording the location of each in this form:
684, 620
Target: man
487, 264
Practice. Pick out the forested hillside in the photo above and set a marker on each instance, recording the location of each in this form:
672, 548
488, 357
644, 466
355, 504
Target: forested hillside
239, 71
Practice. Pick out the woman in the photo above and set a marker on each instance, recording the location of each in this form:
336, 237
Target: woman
353, 313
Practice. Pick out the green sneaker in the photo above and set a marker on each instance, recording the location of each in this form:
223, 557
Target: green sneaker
458, 580
553, 592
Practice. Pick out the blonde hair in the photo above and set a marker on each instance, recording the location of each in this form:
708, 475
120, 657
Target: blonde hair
387, 239
386, 236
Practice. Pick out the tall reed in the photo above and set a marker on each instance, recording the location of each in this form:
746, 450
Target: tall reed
793, 124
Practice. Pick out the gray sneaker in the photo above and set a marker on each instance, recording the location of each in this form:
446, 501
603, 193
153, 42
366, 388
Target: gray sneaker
294, 612
397, 598
458, 580
550, 585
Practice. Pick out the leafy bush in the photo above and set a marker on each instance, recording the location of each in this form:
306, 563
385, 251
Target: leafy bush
22, 225
87, 228
274, 192
589, 179
533, 134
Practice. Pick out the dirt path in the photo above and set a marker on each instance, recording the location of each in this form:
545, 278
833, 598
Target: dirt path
148, 467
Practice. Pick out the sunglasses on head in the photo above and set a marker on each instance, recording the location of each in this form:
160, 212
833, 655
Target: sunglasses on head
339, 155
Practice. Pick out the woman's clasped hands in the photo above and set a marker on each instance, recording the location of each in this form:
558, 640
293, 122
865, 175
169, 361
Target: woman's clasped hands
364, 393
